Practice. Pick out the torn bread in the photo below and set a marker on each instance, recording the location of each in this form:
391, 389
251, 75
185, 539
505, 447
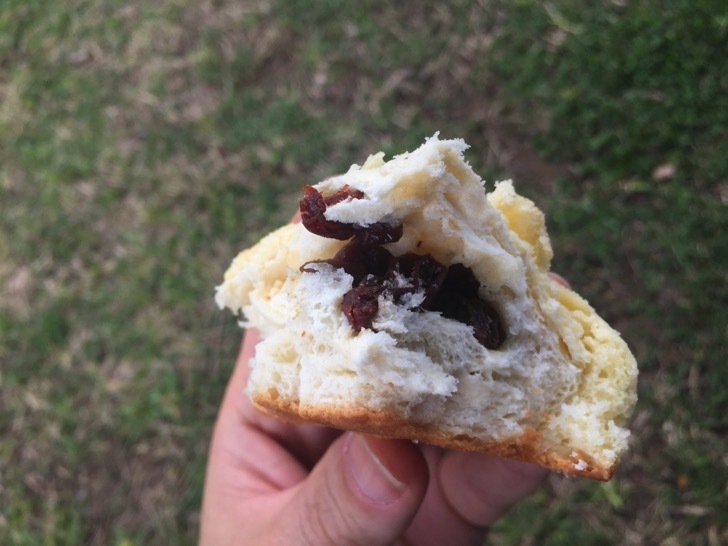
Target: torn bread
557, 390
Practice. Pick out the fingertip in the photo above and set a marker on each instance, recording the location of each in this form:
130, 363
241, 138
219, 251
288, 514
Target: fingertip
559, 279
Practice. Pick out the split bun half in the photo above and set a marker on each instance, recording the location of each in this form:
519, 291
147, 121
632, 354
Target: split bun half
558, 389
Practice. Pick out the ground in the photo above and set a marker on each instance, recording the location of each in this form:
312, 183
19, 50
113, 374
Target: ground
142, 145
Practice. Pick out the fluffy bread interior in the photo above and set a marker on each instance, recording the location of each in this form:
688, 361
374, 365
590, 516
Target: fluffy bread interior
558, 392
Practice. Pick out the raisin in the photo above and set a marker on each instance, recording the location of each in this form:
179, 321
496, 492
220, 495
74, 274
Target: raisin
452, 291
463, 279
313, 205
358, 260
379, 233
459, 300
347, 192
487, 327
425, 273
361, 305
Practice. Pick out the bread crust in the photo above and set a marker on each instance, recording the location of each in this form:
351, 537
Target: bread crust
526, 447
558, 392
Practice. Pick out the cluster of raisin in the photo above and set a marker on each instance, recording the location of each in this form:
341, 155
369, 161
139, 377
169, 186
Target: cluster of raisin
452, 291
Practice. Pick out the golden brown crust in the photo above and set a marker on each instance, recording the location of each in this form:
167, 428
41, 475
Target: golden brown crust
527, 447
573, 379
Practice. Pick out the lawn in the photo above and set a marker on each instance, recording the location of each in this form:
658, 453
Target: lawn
143, 144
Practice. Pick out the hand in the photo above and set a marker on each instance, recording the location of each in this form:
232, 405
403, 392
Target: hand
269, 482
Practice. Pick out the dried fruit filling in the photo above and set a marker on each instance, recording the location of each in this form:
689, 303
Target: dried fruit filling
450, 290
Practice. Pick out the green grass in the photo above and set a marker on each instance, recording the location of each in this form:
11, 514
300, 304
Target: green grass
143, 144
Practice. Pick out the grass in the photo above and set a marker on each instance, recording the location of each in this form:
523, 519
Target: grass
143, 144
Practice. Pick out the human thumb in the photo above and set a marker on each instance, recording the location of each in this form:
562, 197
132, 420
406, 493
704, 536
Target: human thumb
365, 490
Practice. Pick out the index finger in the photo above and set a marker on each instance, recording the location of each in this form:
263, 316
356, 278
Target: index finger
481, 487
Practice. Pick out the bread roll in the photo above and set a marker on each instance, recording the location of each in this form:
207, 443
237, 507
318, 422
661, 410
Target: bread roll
558, 390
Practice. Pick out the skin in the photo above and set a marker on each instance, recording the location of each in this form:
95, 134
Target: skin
270, 482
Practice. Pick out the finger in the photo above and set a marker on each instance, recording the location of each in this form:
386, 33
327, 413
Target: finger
481, 488
365, 490
559, 279
437, 522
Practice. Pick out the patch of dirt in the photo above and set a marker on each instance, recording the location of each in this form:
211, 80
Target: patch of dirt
517, 157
